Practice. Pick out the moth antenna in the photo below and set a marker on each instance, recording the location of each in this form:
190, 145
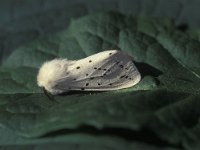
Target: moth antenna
50, 96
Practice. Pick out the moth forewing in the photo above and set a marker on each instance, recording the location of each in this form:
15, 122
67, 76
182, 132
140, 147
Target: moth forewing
104, 71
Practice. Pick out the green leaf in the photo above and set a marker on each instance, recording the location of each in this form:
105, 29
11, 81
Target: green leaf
90, 110
18, 80
75, 141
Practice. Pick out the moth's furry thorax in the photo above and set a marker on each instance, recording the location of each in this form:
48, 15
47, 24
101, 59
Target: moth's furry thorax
50, 72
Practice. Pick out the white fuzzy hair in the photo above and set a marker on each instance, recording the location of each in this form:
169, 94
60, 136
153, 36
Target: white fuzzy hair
50, 72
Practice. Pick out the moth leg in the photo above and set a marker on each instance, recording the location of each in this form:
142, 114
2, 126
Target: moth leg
50, 96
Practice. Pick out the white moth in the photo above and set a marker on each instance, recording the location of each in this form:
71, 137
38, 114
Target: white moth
107, 70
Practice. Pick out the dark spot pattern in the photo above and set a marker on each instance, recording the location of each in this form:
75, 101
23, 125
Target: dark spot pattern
126, 77
110, 84
104, 69
86, 84
121, 66
86, 74
117, 62
110, 53
91, 78
74, 79
95, 67
78, 67
90, 61
99, 68
122, 76
82, 89
99, 83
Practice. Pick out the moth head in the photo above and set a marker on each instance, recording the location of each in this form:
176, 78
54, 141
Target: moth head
50, 72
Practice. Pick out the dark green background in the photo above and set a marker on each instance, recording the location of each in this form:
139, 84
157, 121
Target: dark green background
23, 20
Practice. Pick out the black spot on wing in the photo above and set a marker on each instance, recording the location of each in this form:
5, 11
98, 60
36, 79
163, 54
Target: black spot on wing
122, 76
121, 66
117, 62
